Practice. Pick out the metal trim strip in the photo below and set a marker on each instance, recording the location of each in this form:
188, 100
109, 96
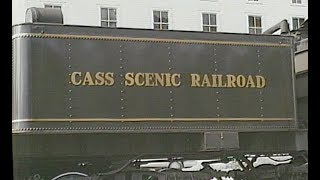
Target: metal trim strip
155, 40
148, 119
145, 129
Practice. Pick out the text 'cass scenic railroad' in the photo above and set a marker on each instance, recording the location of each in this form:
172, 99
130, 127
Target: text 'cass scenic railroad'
168, 80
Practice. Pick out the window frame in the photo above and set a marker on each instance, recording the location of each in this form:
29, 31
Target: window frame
209, 25
296, 2
254, 27
109, 20
297, 17
161, 23
258, 2
52, 5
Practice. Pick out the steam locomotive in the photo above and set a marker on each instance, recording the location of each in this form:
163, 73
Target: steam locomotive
104, 103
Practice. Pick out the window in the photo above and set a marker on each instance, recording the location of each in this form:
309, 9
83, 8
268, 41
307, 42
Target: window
296, 22
52, 6
255, 24
209, 22
254, 2
160, 20
296, 2
108, 17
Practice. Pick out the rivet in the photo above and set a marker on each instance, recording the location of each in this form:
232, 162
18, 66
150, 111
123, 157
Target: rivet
259, 63
261, 107
122, 107
122, 115
217, 92
121, 75
70, 90
171, 115
171, 99
215, 69
120, 51
218, 115
217, 100
218, 108
69, 82
70, 115
169, 60
169, 53
120, 59
70, 107
69, 57
121, 91
70, 99
259, 70
121, 67
120, 45
261, 115
168, 47
215, 62
69, 66
171, 107
170, 92
121, 99
261, 100
170, 68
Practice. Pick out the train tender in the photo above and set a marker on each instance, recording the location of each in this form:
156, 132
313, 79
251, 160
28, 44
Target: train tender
101, 96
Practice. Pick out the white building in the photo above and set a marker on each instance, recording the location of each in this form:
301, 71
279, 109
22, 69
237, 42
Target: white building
237, 16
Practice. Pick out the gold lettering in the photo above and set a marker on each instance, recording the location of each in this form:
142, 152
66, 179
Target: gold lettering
168, 79
88, 79
241, 81
99, 78
195, 78
250, 82
109, 81
220, 80
175, 77
205, 81
159, 79
73, 78
129, 80
149, 79
231, 79
261, 82
138, 78
214, 80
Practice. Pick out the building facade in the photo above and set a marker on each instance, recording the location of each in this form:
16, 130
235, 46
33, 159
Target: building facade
241, 16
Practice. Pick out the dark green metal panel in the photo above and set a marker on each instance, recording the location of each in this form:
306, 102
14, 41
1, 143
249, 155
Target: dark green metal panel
44, 92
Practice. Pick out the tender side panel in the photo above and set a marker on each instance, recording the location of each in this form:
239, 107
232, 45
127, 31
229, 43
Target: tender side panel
59, 81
